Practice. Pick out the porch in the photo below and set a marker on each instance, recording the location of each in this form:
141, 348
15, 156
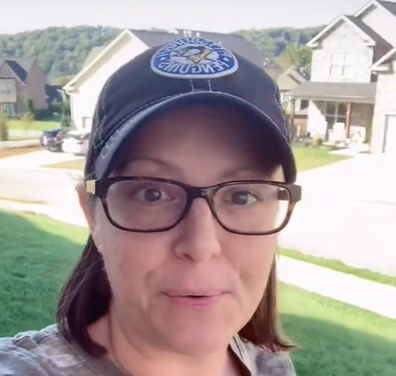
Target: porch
337, 111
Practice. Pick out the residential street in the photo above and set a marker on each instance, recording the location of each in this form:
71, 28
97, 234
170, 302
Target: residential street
348, 211
37, 185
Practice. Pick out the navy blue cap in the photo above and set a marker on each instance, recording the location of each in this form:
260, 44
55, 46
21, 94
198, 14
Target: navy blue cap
187, 70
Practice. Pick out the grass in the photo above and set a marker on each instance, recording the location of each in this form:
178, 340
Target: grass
309, 158
12, 152
340, 267
43, 125
336, 339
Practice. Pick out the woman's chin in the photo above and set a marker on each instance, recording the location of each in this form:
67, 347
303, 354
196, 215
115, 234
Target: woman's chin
196, 339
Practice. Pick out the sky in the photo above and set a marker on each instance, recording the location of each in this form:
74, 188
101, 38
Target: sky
209, 15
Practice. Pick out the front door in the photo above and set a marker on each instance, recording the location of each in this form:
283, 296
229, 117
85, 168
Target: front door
390, 134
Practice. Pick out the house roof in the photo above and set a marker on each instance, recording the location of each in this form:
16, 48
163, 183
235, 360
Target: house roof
391, 55
93, 54
290, 79
336, 91
388, 5
378, 39
153, 38
365, 30
21, 66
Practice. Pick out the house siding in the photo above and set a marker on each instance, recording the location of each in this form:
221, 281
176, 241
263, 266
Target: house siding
6, 71
35, 87
84, 99
344, 38
385, 104
382, 21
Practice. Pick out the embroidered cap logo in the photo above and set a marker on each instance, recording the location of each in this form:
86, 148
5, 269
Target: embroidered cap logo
194, 58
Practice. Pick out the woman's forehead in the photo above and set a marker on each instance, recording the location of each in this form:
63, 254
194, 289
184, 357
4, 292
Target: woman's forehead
217, 126
200, 140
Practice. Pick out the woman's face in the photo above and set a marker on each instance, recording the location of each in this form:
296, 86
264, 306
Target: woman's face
153, 275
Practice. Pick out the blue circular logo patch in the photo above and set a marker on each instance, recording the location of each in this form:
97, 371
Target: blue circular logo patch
193, 58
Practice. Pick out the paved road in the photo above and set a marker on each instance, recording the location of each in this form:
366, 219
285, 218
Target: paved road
50, 187
348, 212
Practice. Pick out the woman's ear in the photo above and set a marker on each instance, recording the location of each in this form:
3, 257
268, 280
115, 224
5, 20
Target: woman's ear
87, 205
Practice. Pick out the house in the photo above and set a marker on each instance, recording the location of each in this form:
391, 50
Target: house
352, 89
23, 80
289, 80
85, 87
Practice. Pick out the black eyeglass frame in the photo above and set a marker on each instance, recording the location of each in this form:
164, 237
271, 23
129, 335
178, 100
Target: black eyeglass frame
99, 188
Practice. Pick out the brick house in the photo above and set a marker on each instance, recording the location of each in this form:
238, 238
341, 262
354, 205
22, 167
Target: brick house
353, 79
21, 80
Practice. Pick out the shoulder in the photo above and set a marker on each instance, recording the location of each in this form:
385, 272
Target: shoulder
38, 353
263, 362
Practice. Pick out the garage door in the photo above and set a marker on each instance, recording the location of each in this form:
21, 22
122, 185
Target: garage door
87, 123
390, 135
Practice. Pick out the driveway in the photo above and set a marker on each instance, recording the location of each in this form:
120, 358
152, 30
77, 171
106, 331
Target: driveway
348, 213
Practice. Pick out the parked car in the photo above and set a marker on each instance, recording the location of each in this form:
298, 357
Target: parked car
76, 142
52, 139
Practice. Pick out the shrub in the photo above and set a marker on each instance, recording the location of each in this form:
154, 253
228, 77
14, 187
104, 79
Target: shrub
317, 141
42, 114
3, 127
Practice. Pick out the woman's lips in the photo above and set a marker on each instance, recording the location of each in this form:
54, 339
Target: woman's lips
196, 300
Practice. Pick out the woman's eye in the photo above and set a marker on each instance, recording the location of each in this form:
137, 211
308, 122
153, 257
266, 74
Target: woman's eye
243, 198
152, 195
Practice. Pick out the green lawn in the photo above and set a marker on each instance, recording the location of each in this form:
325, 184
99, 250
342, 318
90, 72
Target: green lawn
335, 339
309, 158
34, 126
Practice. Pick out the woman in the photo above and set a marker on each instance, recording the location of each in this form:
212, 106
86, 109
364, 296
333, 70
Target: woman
189, 179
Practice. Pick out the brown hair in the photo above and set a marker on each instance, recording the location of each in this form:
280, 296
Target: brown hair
86, 297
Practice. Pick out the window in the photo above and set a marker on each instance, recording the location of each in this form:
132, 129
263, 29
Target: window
5, 89
335, 112
304, 104
285, 98
341, 64
8, 109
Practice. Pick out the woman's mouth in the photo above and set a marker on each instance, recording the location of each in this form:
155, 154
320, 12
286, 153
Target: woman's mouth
196, 300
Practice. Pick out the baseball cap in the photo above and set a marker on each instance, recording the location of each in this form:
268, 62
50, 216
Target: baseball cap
175, 74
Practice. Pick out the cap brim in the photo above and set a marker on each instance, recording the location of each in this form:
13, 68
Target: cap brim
108, 153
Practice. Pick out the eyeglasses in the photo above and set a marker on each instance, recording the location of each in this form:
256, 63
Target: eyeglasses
246, 207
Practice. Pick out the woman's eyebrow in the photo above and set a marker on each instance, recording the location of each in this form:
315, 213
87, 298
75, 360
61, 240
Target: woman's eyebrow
238, 171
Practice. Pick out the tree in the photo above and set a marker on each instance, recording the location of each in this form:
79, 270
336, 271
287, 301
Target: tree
300, 56
66, 114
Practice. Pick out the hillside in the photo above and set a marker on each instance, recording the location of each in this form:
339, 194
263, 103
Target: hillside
61, 51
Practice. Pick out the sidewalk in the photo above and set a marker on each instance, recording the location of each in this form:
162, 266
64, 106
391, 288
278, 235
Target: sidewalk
368, 295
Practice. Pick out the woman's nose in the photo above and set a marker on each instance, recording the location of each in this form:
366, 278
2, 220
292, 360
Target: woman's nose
198, 238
